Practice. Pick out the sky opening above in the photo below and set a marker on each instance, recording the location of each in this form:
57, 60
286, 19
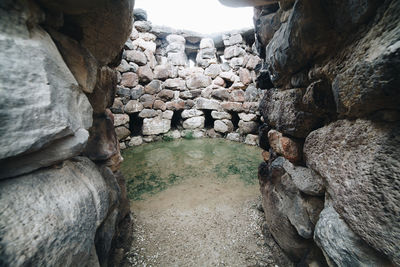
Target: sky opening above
205, 16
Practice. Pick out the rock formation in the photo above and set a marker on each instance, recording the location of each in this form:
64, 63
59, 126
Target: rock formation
330, 181
173, 83
61, 195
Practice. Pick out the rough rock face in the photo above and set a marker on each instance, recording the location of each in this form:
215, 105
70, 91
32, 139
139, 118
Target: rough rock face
341, 245
58, 81
331, 73
67, 236
364, 189
181, 97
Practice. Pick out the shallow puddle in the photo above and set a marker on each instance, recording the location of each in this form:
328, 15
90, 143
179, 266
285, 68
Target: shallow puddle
194, 203
152, 168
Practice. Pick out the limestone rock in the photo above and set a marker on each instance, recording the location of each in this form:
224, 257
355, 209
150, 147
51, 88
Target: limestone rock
166, 94
175, 105
237, 96
153, 87
245, 76
147, 100
341, 245
213, 70
376, 174
176, 83
223, 126
29, 237
232, 39
129, 79
210, 104
218, 81
121, 119
148, 113
232, 106
156, 126
140, 44
137, 57
59, 150
196, 81
135, 141
251, 139
36, 113
221, 94
247, 117
220, 115
142, 26
206, 43
177, 59
252, 62
233, 137
133, 106
162, 72
145, 74
168, 114
194, 122
189, 113
160, 105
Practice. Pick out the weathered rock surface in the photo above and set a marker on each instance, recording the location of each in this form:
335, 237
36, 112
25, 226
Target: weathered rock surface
156, 126
370, 208
341, 245
285, 209
282, 110
194, 122
33, 120
76, 201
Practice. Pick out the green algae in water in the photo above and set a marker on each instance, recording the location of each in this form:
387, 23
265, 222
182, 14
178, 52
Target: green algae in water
151, 168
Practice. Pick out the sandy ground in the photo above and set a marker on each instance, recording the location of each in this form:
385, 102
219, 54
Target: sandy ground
201, 223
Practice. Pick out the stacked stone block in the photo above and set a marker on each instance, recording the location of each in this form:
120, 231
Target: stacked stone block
161, 92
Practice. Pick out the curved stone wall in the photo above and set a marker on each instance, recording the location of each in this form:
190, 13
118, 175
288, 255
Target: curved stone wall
177, 83
331, 180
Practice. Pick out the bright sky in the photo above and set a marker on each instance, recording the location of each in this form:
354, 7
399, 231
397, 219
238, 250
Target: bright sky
203, 16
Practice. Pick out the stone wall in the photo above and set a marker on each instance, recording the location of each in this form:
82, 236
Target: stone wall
61, 195
330, 181
176, 84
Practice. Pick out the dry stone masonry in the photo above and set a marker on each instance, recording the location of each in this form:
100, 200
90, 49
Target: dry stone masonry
330, 181
62, 198
178, 83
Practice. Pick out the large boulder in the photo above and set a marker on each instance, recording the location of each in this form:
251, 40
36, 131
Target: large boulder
283, 111
306, 35
58, 227
35, 103
154, 126
360, 163
369, 81
100, 36
287, 211
341, 246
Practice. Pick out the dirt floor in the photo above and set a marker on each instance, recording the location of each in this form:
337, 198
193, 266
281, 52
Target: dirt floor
201, 223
